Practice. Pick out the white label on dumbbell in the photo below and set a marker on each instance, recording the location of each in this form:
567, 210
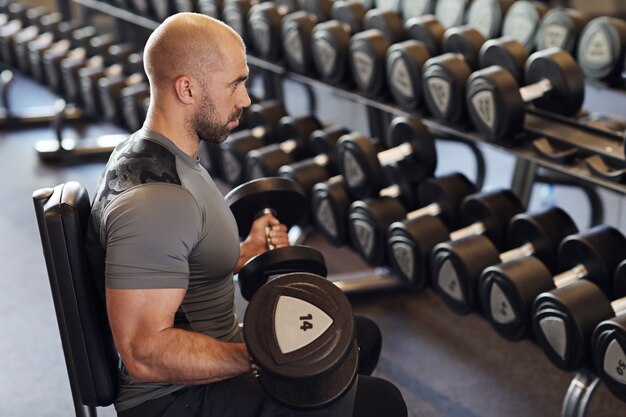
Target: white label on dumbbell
501, 310
255, 171
615, 362
327, 55
598, 52
553, 329
325, 218
234, 21
262, 36
481, 18
403, 254
400, 79
298, 323
448, 281
353, 172
414, 8
450, 12
440, 92
519, 27
364, 236
232, 167
483, 104
293, 46
364, 66
554, 36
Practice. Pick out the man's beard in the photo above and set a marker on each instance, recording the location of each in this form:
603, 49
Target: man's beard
205, 124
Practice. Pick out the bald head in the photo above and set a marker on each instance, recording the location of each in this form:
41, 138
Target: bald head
187, 44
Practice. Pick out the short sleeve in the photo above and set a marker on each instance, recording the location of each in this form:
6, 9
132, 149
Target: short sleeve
149, 232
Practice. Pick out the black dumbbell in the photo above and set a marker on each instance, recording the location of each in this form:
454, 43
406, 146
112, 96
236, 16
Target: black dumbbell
507, 291
602, 48
537, 234
300, 334
333, 49
496, 103
608, 344
563, 319
428, 30
370, 219
440, 197
522, 22
266, 160
285, 200
235, 14
361, 161
404, 62
330, 203
110, 88
368, 51
482, 213
32, 29
561, 28
506, 52
310, 171
133, 109
264, 23
264, 118
487, 16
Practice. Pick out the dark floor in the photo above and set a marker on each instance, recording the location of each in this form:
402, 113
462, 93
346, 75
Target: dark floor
444, 364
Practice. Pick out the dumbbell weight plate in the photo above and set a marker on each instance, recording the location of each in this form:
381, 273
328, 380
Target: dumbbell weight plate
601, 48
262, 268
444, 79
450, 12
299, 330
366, 50
283, 196
404, 74
609, 345
414, 8
522, 22
560, 29
486, 16
296, 34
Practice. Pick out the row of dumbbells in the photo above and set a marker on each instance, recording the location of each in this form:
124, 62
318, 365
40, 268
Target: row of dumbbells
94, 72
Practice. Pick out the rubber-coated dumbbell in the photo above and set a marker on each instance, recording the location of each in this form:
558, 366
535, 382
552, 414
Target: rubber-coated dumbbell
482, 213
300, 334
264, 23
438, 197
563, 319
487, 16
133, 108
264, 117
602, 48
537, 234
415, 8
370, 219
561, 28
310, 171
368, 51
507, 291
330, 203
361, 161
608, 344
332, 43
110, 88
522, 22
266, 160
285, 200
32, 29
404, 62
496, 103
506, 52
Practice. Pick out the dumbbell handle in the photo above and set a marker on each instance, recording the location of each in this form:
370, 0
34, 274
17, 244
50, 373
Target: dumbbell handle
321, 160
395, 154
288, 146
571, 275
477, 228
527, 249
619, 306
268, 229
536, 90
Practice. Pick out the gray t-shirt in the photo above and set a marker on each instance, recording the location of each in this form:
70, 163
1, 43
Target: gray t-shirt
159, 221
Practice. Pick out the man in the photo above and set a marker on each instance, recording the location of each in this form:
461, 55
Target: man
167, 245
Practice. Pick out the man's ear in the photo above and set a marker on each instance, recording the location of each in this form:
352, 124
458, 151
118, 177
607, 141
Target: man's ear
184, 89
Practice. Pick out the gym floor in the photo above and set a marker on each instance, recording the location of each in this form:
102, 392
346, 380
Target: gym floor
444, 364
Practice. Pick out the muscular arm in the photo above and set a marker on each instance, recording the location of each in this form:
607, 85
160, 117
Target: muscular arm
154, 351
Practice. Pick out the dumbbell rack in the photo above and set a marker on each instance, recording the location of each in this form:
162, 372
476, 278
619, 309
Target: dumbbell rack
570, 152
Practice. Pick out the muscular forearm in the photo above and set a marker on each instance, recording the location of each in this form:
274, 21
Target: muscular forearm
182, 357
